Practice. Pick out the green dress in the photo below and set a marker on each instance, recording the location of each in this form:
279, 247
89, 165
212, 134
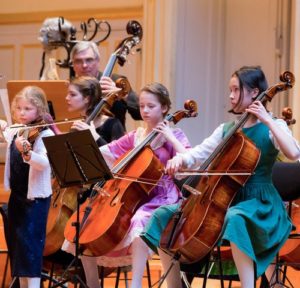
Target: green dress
257, 221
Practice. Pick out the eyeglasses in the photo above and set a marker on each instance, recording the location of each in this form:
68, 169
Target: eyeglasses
87, 61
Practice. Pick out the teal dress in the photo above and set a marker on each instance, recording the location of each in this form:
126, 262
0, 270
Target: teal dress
257, 221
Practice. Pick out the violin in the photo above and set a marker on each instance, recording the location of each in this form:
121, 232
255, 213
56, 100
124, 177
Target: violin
31, 134
105, 219
31, 131
195, 229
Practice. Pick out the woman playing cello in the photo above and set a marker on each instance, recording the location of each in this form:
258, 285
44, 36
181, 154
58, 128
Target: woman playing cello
154, 104
256, 224
84, 93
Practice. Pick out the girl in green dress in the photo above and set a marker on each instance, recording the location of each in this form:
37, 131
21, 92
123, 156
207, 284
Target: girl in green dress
256, 225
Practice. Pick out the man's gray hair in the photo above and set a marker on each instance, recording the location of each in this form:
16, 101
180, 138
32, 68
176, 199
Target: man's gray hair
84, 45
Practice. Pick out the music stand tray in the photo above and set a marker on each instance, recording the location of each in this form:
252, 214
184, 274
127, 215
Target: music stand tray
76, 159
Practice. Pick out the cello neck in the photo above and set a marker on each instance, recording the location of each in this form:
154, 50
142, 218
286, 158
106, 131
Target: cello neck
245, 116
107, 72
110, 65
149, 138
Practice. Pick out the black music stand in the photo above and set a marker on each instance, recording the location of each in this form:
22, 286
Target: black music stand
76, 160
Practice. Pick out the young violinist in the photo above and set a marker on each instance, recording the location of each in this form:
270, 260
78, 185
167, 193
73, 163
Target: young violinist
154, 104
28, 176
84, 93
256, 224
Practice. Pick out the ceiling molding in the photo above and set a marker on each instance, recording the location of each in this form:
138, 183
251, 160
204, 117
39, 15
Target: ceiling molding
37, 17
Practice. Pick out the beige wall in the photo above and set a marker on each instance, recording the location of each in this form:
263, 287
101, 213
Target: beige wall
19, 6
192, 46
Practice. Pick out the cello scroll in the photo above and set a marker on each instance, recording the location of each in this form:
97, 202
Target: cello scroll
287, 116
190, 110
288, 81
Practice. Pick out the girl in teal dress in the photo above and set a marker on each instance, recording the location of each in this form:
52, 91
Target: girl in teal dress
256, 225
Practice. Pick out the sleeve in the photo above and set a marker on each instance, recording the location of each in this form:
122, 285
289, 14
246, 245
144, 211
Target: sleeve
100, 141
194, 157
114, 150
180, 136
39, 159
283, 126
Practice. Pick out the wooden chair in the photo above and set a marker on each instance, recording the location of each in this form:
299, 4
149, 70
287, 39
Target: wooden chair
286, 178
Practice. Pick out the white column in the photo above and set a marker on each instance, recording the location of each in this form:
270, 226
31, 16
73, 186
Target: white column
295, 65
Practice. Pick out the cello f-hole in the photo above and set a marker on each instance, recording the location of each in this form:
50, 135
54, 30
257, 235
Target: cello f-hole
115, 199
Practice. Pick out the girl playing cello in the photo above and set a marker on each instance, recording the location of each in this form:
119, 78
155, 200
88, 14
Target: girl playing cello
154, 104
256, 224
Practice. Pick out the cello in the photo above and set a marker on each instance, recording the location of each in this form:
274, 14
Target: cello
195, 229
63, 202
111, 210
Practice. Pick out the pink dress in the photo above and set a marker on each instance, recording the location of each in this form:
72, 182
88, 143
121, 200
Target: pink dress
165, 193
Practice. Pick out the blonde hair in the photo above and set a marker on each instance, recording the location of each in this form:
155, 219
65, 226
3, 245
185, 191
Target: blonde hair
36, 96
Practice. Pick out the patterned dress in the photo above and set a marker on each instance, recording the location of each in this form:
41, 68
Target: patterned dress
166, 193
257, 221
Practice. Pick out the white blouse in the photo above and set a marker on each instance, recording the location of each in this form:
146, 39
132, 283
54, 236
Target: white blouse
194, 157
39, 182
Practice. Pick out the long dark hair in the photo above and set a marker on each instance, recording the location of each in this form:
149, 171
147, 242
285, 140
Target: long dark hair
88, 87
250, 77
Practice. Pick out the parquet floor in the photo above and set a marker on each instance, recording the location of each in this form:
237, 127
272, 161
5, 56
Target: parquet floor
109, 282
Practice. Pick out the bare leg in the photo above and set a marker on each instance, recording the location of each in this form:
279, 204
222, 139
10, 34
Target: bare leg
34, 282
173, 278
244, 265
274, 280
91, 271
270, 273
139, 259
23, 282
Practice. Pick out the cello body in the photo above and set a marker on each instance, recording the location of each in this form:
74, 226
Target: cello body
63, 204
112, 211
194, 230
202, 215
106, 219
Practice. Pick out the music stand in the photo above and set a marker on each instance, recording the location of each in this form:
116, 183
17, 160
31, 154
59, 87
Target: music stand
76, 160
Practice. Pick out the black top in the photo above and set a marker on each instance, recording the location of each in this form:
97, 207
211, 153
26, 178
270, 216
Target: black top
110, 130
